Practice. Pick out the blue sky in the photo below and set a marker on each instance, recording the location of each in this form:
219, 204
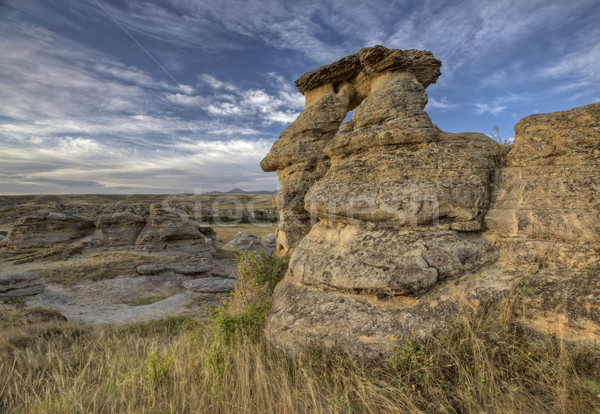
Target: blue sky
104, 96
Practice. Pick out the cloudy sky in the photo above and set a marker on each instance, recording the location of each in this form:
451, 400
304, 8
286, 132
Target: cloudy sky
106, 96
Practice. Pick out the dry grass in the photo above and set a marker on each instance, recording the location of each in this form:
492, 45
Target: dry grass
483, 364
53, 254
171, 367
100, 266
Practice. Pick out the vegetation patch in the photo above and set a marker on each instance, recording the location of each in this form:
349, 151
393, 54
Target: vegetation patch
98, 267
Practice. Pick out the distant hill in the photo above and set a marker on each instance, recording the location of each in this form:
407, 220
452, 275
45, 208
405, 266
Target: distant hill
240, 191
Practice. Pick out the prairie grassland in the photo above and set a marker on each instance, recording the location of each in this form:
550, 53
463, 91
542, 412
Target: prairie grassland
485, 363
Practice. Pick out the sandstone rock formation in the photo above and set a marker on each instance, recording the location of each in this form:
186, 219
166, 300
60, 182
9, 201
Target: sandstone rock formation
547, 203
385, 219
117, 229
245, 242
269, 241
331, 91
21, 284
47, 228
166, 229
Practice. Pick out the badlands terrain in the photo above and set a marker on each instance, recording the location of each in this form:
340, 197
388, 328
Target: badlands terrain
115, 259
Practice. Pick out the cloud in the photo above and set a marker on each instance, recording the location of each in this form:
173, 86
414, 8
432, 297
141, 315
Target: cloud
483, 108
182, 167
282, 106
442, 105
182, 99
581, 64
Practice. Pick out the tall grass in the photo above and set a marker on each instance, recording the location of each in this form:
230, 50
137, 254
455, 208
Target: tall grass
484, 363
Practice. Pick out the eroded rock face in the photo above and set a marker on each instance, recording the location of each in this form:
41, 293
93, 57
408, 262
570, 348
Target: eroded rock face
393, 237
118, 229
547, 202
166, 229
246, 242
46, 229
331, 91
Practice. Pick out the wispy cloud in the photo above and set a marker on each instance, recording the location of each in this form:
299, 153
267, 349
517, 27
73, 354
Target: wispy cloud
442, 104
483, 108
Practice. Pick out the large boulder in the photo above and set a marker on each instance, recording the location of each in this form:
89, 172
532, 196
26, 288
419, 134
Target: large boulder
269, 240
246, 242
47, 228
167, 228
117, 229
20, 285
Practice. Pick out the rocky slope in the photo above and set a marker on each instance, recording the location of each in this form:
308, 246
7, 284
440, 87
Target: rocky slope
393, 225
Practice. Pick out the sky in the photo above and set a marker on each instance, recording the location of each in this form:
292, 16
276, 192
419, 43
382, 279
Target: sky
187, 96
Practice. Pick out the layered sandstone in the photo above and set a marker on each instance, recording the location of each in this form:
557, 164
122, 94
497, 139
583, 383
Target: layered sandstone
47, 228
117, 229
547, 201
167, 228
331, 91
392, 236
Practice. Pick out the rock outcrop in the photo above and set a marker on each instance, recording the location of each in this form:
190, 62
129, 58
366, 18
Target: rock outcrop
166, 229
117, 229
46, 229
246, 242
547, 201
21, 284
270, 241
331, 91
385, 219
